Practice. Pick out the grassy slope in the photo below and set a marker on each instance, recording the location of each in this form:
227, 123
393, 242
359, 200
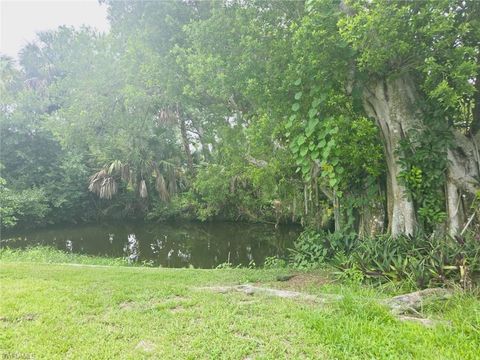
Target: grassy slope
54, 311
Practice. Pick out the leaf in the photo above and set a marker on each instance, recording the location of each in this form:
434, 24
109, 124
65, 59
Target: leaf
295, 107
303, 151
312, 112
301, 140
298, 81
313, 122
309, 131
333, 182
316, 102
298, 95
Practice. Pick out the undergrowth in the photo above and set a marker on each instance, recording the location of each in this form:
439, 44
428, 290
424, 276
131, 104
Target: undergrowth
420, 260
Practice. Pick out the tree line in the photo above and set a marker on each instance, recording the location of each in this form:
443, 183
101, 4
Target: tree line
352, 116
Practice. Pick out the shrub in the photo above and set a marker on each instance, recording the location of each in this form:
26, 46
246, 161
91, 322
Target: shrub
274, 262
423, 260
27, 206
309, 250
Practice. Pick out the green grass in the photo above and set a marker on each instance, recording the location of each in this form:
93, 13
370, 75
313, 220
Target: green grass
60, 311
49, 255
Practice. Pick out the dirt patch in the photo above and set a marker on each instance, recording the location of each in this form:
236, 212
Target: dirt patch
25, 317
400, 306
145, 345
303, 281
244, 336
247, 301
252, 290
176, 309
147, 304
128, 305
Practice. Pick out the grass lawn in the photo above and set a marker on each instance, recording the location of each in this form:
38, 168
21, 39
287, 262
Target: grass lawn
63, 311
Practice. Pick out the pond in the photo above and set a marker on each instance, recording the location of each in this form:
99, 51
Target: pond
201, 245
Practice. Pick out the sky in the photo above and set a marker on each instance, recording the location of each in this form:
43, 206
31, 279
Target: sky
21, 19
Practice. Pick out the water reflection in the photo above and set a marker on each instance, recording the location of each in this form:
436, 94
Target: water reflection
131, 249
69, 245
167, 244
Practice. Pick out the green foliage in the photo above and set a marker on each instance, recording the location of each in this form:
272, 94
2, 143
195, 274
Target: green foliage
426, 261
309, 251
44, 254
213, 186
425, 164
352, 275
274, 262
241, 110
313, 248
29, 207
422, 260
227, 265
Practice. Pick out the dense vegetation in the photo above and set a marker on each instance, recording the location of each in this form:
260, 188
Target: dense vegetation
355, 117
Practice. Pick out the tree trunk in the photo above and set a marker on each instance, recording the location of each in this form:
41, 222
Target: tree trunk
371, 220
186, 144
392, 104
462, 178
454, 205
336, 212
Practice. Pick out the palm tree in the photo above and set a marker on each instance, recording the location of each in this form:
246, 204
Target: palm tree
166, 177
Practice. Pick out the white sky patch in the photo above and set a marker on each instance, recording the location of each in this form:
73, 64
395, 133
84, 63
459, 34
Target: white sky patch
22, 19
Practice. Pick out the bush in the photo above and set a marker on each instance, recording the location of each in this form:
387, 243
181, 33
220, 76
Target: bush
26, 206
313, 248
420, 259
309, 250
274, 262
424, 260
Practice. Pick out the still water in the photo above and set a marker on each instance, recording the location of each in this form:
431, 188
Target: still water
202, 245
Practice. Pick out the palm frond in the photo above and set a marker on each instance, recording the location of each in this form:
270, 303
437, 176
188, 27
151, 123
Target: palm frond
143, 189
161, 187
115, 166
103, 184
